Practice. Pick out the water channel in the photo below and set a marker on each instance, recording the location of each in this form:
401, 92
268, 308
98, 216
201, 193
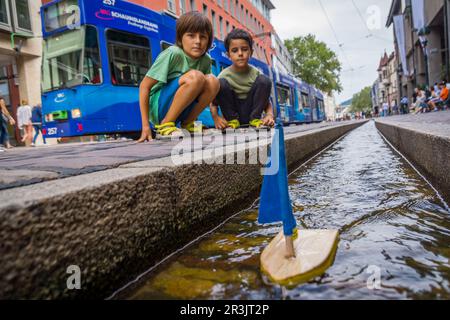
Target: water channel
393, 227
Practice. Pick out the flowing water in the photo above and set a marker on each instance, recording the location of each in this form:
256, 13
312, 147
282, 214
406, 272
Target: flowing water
393, 227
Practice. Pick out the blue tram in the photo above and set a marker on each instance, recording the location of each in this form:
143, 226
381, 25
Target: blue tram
96, 52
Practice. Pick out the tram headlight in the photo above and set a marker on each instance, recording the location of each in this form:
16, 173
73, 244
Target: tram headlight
76, 113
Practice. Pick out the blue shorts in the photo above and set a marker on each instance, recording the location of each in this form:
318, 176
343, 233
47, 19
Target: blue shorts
165, 100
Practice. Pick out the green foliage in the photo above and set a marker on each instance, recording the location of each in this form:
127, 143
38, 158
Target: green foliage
315, 63
362, 101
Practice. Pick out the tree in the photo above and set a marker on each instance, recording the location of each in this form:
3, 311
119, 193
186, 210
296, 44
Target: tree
315, 63
362, 102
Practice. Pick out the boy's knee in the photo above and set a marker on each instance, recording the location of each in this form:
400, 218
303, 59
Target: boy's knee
195, 77
212, 83
264, 82
224, 85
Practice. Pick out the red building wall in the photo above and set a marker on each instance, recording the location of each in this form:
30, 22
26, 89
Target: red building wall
263, 43
260, 28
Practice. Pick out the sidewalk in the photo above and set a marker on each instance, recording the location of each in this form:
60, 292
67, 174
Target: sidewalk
25, 166
433, 123
115, 223
425, 140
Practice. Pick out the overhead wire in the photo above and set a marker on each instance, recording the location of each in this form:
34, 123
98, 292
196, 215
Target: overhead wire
371, 34
362, 18
340, 45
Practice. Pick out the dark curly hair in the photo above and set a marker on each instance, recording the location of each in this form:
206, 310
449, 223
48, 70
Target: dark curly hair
238, 34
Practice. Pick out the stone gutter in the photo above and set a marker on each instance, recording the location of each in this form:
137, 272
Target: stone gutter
429, 151
115, 224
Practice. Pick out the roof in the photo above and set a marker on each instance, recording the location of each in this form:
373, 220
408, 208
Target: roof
395, 9
269, 4
384, 61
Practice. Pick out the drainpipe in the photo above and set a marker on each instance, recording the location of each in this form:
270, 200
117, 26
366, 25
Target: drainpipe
447, 44
13, 43
12, 40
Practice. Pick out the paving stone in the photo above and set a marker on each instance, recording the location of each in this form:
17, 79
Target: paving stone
14, 177
116, 223
433, 123
81, 158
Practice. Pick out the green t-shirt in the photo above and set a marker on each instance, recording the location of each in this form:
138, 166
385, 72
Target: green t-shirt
170, 64
241, 82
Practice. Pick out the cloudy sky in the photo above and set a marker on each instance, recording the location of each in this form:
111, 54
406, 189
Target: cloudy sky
354, 29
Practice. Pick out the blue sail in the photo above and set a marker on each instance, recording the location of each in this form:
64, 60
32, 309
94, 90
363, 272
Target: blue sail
275, 204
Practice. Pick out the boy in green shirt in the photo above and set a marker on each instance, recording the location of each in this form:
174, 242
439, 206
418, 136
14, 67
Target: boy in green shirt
179, 85
244, 92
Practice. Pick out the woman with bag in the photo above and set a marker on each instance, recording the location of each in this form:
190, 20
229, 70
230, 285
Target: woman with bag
5, 118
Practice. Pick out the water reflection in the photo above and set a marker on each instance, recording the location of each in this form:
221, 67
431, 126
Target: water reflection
389, 218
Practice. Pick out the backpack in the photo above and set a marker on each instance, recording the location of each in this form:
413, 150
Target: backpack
36, 115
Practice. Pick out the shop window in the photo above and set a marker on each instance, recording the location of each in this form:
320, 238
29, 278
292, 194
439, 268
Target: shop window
5, 21
15, 16
22, 15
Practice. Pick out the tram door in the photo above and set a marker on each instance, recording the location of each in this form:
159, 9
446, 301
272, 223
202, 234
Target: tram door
315, 110
284, 102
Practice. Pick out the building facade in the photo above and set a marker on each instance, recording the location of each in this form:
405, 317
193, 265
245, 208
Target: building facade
392, 89
20, 54
383, 79
427, 59
282, 60
330, 107
225, 15
386, 85
343, 110
387, 74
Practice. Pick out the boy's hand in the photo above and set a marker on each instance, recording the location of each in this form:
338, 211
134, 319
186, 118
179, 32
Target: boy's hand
221, 123
268, 120
146, 135
12, 121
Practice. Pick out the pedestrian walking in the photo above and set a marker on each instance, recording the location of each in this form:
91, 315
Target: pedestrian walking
385, 109
404, 105
394, 107
36, 119
24, 122
5, 119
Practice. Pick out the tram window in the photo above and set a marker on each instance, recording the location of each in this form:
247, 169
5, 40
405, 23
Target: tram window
129, 57
320, 105
61, 14
61, 66
300, 101
92, 73
305, 100
284, 96
165, 45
